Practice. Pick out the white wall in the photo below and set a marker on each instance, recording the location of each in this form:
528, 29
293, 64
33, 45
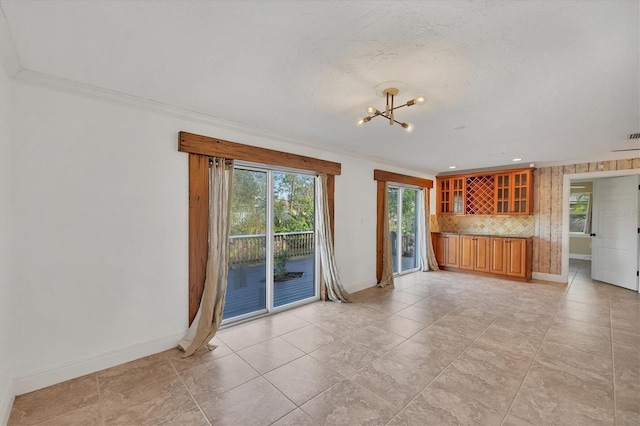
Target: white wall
101, 221
7, 349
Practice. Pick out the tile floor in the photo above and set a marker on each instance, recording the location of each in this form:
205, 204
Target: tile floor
442, 348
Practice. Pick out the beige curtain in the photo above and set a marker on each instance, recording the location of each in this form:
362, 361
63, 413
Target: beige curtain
207, 320
387, 256
335, 291
427, 256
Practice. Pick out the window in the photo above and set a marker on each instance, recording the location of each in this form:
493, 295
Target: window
580, 213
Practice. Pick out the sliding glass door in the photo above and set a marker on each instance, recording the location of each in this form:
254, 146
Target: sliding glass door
403, 228
272, 229
293, 238
247, 278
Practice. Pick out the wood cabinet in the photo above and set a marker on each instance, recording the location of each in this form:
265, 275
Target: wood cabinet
516, 259
438, 247
498, 253
508, 257
447, 249
474, 253
512, 257
452, 250
500, 192
514, 193
451, 195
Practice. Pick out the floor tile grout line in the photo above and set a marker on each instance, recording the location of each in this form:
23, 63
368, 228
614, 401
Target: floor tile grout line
533, 359
289, 362
231, 388
445, 368
75, 409
347, 377
100, 402
189, 392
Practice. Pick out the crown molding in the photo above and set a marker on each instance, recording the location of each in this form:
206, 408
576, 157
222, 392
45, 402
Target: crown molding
48, 81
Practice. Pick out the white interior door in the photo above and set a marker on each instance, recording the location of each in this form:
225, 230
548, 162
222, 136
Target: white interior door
614, 239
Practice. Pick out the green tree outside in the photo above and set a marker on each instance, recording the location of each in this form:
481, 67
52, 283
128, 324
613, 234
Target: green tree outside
409, 210
293, 203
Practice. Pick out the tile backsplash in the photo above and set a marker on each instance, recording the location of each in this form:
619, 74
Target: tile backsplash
484, 224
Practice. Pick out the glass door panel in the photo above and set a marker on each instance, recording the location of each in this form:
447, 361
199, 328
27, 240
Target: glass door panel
403, 228
246, 280
408, 247
458, 195
293, 238
392, 200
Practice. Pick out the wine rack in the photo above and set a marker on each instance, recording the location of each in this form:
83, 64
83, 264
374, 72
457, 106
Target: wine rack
480, 192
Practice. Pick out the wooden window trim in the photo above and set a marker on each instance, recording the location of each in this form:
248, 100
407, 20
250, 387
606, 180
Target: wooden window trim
383, 177
200, 148
213, 147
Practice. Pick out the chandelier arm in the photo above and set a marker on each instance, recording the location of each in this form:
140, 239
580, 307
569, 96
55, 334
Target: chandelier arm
396, 121
391, 118
398, 107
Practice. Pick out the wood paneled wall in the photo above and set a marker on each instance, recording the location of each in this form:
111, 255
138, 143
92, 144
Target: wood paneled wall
547, 209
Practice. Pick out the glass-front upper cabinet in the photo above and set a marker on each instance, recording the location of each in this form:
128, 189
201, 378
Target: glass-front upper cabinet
514, 193
502, 192
503, 184
451, 195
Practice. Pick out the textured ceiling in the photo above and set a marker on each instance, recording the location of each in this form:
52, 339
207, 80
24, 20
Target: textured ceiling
544, 81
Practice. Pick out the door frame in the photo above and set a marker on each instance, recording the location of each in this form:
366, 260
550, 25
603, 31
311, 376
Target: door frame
382, 177
566, 193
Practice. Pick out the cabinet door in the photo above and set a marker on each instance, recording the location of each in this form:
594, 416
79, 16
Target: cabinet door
452, 248
498, 254
521, 194
467, 251
444, 196
458, 195
516, 259
482, 254
502, 193
439, 248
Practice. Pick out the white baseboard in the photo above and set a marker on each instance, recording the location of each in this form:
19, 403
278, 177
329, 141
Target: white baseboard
7, 402
580, 256
549, 277
89, 365
361, 286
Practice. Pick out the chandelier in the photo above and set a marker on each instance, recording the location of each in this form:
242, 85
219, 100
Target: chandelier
388, 113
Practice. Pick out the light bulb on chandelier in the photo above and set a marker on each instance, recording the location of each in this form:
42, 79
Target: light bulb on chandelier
389, 109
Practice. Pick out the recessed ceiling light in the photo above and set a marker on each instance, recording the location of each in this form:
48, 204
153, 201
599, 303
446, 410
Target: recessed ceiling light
452, 167
517, 159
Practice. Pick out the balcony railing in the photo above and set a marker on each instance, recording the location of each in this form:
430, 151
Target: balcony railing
252, 249
407, 244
